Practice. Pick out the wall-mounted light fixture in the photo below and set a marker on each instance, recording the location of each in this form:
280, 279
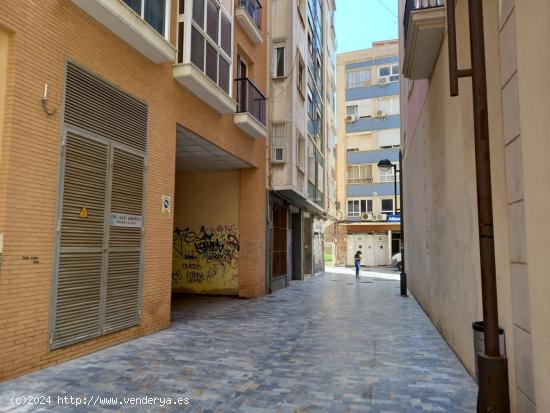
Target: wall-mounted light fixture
44, 102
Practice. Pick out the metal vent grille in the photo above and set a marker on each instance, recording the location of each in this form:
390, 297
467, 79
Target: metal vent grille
81, 241
98, 272
124, 262
95, 106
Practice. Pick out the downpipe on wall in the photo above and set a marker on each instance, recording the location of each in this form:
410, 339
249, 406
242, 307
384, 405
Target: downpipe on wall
493, 393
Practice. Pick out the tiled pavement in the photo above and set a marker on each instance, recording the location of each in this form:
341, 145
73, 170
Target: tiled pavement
328, 344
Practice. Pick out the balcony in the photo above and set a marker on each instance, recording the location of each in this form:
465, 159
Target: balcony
249, 16
194, 79
205, 53
250, 116
424, 28
142, 24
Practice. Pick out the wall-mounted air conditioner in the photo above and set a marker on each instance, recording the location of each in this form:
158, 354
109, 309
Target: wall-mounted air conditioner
351, 118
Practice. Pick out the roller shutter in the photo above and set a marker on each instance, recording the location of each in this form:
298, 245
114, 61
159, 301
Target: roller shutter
99, 253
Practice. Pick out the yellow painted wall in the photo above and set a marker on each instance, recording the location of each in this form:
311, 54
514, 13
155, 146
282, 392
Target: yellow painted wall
206, 233
441, 234
530, 21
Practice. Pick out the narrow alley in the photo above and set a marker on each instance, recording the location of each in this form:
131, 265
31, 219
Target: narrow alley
329, 344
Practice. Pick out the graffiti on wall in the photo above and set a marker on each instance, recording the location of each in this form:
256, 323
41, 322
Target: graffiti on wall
206, 259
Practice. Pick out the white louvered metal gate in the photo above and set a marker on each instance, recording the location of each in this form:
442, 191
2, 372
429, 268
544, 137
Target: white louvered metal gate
99, 247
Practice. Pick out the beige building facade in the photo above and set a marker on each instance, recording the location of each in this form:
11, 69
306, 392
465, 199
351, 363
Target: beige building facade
132, 167
441, 234
368, 112
301, 155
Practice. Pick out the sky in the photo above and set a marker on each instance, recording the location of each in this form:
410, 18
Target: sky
361, 22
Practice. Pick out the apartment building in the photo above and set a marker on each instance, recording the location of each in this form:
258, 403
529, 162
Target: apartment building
301, 136
439, 177
132, 165
368, 115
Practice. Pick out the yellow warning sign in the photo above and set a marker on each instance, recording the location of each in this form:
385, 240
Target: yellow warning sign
83, 212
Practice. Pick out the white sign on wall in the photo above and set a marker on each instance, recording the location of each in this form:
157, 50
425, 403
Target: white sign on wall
126, 220
166, 206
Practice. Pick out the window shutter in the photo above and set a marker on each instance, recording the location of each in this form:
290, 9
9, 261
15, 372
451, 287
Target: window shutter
81, 252
125, 243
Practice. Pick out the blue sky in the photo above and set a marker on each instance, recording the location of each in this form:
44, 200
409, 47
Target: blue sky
361, 22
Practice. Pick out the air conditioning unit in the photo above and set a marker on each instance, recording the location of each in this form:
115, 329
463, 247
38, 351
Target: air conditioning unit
380, 114
383, 80
367, 217
351, 118
381, 217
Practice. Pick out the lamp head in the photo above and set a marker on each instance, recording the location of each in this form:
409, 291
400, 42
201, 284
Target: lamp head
385, 165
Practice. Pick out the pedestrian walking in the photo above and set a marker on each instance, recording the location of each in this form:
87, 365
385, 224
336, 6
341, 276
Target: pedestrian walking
357, 263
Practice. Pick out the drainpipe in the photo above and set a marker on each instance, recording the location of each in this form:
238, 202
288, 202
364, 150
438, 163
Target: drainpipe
493, 394
403, 277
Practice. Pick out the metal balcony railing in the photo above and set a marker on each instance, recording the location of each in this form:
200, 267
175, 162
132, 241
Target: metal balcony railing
254, 9
250, 99
413, 5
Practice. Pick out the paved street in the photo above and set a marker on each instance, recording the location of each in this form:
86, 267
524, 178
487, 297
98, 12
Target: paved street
328, 344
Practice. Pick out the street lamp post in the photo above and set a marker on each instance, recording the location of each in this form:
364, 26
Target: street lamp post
385, 165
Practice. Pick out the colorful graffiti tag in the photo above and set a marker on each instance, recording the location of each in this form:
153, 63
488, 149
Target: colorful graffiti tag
206, 260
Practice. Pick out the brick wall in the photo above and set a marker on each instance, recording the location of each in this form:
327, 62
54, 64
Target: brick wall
42, 36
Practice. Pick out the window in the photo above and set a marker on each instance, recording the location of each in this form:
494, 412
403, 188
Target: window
278, 142
279, 60
211, 41
352, 110
369, 206
300, 151
387, 206
300, 80
321, 176
360, 174
310, 104
389, 73
387, 106
311, 162
154, 12
387, 176
357, 208
357, 78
